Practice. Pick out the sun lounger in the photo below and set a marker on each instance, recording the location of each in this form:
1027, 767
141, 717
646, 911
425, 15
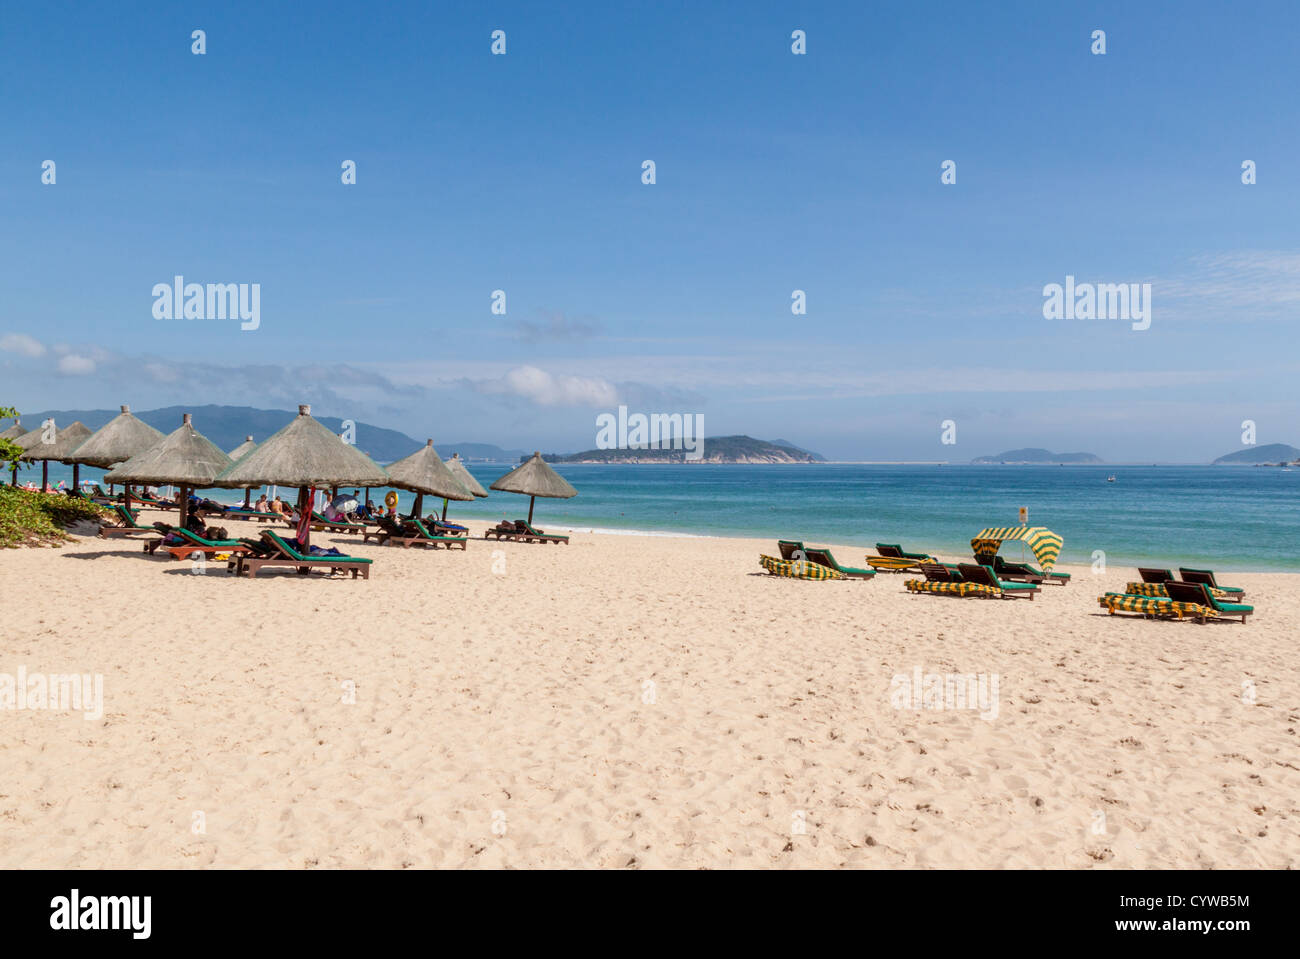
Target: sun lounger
192, 543
944, 580
790, 549
1025, 573
1206, 576
541, 536
984, 575
1151, 606
129, 526
1158, 589
420, 536
798, 569
823, 557
894, 559
283, 554
520, 532
1155, 575
1199, 594
321, 524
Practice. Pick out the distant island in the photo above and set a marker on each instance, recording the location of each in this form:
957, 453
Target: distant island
716, 449
1027, 456
1279, 454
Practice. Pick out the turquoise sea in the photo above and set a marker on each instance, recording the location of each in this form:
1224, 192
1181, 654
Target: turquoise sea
1223, 517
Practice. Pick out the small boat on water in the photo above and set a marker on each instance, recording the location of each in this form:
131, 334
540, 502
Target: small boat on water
1110, 479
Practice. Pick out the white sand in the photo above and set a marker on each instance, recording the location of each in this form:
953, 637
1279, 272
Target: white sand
515, 697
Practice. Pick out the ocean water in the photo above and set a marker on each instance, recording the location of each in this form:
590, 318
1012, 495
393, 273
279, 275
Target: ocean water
1221, 517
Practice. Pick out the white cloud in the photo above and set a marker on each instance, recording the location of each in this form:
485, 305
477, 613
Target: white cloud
76, 365
21, 343
547, 389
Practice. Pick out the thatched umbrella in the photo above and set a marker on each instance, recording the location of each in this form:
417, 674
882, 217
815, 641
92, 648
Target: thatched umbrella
116, 442
425, 472
457, 467
240, 451
65, 443
307, 455
12, 433
533, 479
185, 458
27, 442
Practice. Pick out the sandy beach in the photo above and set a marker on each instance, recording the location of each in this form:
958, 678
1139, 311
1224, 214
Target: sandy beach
631, 701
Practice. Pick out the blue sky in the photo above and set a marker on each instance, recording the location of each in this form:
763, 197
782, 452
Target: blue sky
775, 172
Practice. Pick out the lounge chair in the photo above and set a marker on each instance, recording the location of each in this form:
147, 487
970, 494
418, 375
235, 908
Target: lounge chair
1155, 575
151, 502
1199, 594
896, 560
238, 512
797, 569
823, 557
1151, 606
129, 525
193, 543
283, 554
320, 523
788, 548
417, 534
944, 580
1206, 576
984, 575
1025, 573
541, 536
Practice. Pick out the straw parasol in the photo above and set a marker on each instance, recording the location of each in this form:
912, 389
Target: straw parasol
457, 467
307, 455
425, 472
12, 433
533, 479
116, 442
239, 452
65, 442
185, 458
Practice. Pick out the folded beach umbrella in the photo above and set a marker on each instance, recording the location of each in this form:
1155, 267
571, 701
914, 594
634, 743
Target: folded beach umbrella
533, 479
116, 442
1045, 544
425, 472
239, 451
307, 455
185, 458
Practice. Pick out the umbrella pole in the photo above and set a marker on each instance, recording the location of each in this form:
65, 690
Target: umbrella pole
444, 510
185, 508
419, 506
76, 476
127, 487
304, 519
45, 474
531, 501
248, 492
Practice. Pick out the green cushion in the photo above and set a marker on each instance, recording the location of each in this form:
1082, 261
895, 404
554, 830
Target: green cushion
1223, 607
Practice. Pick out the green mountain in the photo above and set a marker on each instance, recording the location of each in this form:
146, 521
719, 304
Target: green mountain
1252, 455
716, 449
228, 425
1033, 455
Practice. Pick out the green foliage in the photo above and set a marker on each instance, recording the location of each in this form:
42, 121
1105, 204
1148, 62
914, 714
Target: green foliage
37, 519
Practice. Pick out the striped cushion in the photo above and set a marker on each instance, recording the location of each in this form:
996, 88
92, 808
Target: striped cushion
950, 589
1158, 589
797, 569
1153, 605
894, 562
